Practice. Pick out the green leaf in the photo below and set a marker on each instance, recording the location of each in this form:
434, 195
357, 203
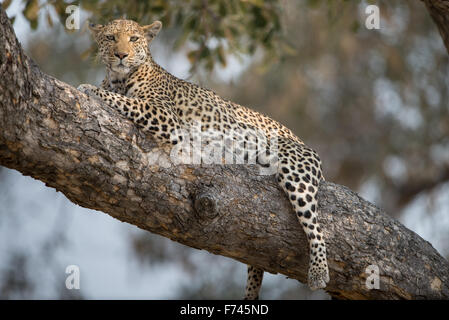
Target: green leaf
257, 3
33, 24
31, 10
192, 56
209, 63
222, 9
205, 52
6, 4
221, 55
355, 26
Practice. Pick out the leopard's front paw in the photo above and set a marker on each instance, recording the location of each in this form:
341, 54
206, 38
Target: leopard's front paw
87, 88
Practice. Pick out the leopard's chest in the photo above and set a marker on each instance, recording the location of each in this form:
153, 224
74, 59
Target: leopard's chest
118, 86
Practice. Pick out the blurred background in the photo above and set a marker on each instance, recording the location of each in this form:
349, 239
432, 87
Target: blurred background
373, 103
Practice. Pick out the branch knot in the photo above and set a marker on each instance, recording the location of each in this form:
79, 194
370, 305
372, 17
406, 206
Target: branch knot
205, 205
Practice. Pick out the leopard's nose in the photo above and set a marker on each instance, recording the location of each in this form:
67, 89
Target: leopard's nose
120, 55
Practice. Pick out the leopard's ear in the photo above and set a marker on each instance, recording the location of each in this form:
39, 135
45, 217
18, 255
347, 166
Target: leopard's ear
95, 28
152, 30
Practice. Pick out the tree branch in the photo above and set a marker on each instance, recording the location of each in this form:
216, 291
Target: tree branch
99, 160
439, 11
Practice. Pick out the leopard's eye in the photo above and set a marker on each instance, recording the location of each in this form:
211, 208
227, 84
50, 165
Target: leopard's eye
110, 37
133, 38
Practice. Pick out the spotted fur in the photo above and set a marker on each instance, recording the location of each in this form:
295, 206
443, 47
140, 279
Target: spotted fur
162, 104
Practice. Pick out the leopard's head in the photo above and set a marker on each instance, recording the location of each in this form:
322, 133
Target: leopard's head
123, 44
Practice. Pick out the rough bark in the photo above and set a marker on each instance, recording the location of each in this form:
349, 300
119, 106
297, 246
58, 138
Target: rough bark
99, 160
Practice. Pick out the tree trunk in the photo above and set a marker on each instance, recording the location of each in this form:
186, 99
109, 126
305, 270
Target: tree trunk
99, 160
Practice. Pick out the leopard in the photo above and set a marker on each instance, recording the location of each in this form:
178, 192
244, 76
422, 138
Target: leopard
163, 105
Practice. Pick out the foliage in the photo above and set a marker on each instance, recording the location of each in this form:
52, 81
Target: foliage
372, 102
211, 28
